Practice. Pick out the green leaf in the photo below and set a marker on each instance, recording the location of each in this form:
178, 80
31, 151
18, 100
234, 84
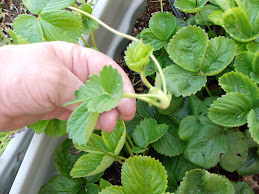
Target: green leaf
237, 82
202, 17
170, 144
65, 157
94, 178
40, 126
162, 25
61, 25
90, 148
91, 164
91, 188
183, 111
81, 124
226, 4
206, 145
243, 62
60, 184
250, 141
230, 110
142, 174
148, 132
190, 6
145, 111
56, 128
217, 17
115, 140
36, 7
104, 184
253, 47
237, 152
255, 65
201, 181
191, 43
219, 53
138, 150
176, 168
253, 124
181, 82
236, 23
187, 127
27, 26
138, 55
113, 190
251, 165
17, 39
149, 38
243, 188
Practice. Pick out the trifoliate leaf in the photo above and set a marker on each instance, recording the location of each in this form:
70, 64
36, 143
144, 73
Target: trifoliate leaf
170, 144
148, 132
81, 124
217, 17
201, 181
176, 168
206, 145
243, 188
90, 148
202, 17
187, 127
65, 157
104, 184
56, 128
61, 25
91, 164
243, 62
17, 39
36, 7
162, 25
27, 26
237, 82
115, 140
253, 124
236, 23
113, 190
230, 110
237, 152
190, 6
252, 47
142, 174
60, 184
149, 38
145, 111
219, 53
138, 55
188, 47
251, 165
181, 82
226, 4
40, 126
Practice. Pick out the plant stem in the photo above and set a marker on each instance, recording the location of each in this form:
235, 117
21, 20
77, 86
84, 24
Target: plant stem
85, 41
144, 79
128, 137
93, 39
204, 21
101, 150
161, 5
136, 83
104, 25
118, 160
208, 91
121, 157
160, 72
145, 99
129, 149
132, 95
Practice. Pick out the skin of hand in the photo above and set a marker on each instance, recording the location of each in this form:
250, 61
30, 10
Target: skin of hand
37, 79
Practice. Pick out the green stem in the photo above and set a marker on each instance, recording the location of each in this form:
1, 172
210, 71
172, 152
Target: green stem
145, 99
208, 91
131, 143
104, 25
144, 79
161, 5
93, 39
118, 160
204, 21
132, 95
129, 149
136, 83
85, 41
100, 149
160, 72
121, 157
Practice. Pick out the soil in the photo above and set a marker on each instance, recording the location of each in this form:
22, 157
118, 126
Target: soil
12, 8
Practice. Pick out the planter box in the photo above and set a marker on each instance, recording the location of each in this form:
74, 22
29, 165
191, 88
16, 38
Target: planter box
38, 167
12, 158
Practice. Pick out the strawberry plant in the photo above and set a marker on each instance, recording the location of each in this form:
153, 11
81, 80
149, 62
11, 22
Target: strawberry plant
201, 113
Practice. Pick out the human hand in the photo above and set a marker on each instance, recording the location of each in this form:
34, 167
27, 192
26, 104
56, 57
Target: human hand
37, 79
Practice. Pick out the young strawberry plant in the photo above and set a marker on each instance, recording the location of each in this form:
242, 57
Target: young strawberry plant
200, 114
